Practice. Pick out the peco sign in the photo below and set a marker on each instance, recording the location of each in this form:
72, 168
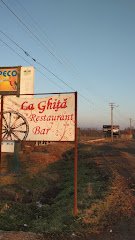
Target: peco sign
8, 73
9, 80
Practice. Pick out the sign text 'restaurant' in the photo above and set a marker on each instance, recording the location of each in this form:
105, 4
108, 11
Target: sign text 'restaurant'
37, 119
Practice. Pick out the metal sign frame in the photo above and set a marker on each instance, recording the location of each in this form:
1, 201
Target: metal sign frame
75, 207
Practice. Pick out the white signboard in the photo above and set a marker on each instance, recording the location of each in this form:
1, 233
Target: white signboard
7, 146
27, 81
39, 119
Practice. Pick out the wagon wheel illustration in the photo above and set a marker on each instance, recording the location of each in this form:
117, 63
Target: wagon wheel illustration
14, 126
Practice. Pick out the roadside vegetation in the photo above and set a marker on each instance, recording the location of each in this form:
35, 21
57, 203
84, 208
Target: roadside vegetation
43, 201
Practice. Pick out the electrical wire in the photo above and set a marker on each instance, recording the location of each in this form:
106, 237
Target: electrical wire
33, 34
54, 83
47, 49
37, 26
28, 55
38, 39
34, 59
35, 23
121, 117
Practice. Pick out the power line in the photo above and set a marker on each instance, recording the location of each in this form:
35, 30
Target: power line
29, 63
38, 28
37, 38
28, 29
40, 64
28, 55
36, 25
122, 117
12, 41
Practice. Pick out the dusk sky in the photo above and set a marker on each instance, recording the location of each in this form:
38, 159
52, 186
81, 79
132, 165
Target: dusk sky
86, 46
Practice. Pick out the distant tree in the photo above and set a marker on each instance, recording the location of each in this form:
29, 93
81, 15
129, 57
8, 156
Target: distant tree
91, 132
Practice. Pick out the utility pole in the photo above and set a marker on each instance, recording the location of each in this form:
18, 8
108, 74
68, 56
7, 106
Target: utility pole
112, 105
130, 119
130, 126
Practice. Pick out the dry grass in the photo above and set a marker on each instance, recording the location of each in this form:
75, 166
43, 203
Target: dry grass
104, 195
118, 205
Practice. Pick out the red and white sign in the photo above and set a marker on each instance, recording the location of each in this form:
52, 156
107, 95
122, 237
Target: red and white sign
39, 119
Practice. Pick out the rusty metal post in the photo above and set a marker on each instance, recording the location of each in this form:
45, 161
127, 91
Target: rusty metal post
1, 115
75, 160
